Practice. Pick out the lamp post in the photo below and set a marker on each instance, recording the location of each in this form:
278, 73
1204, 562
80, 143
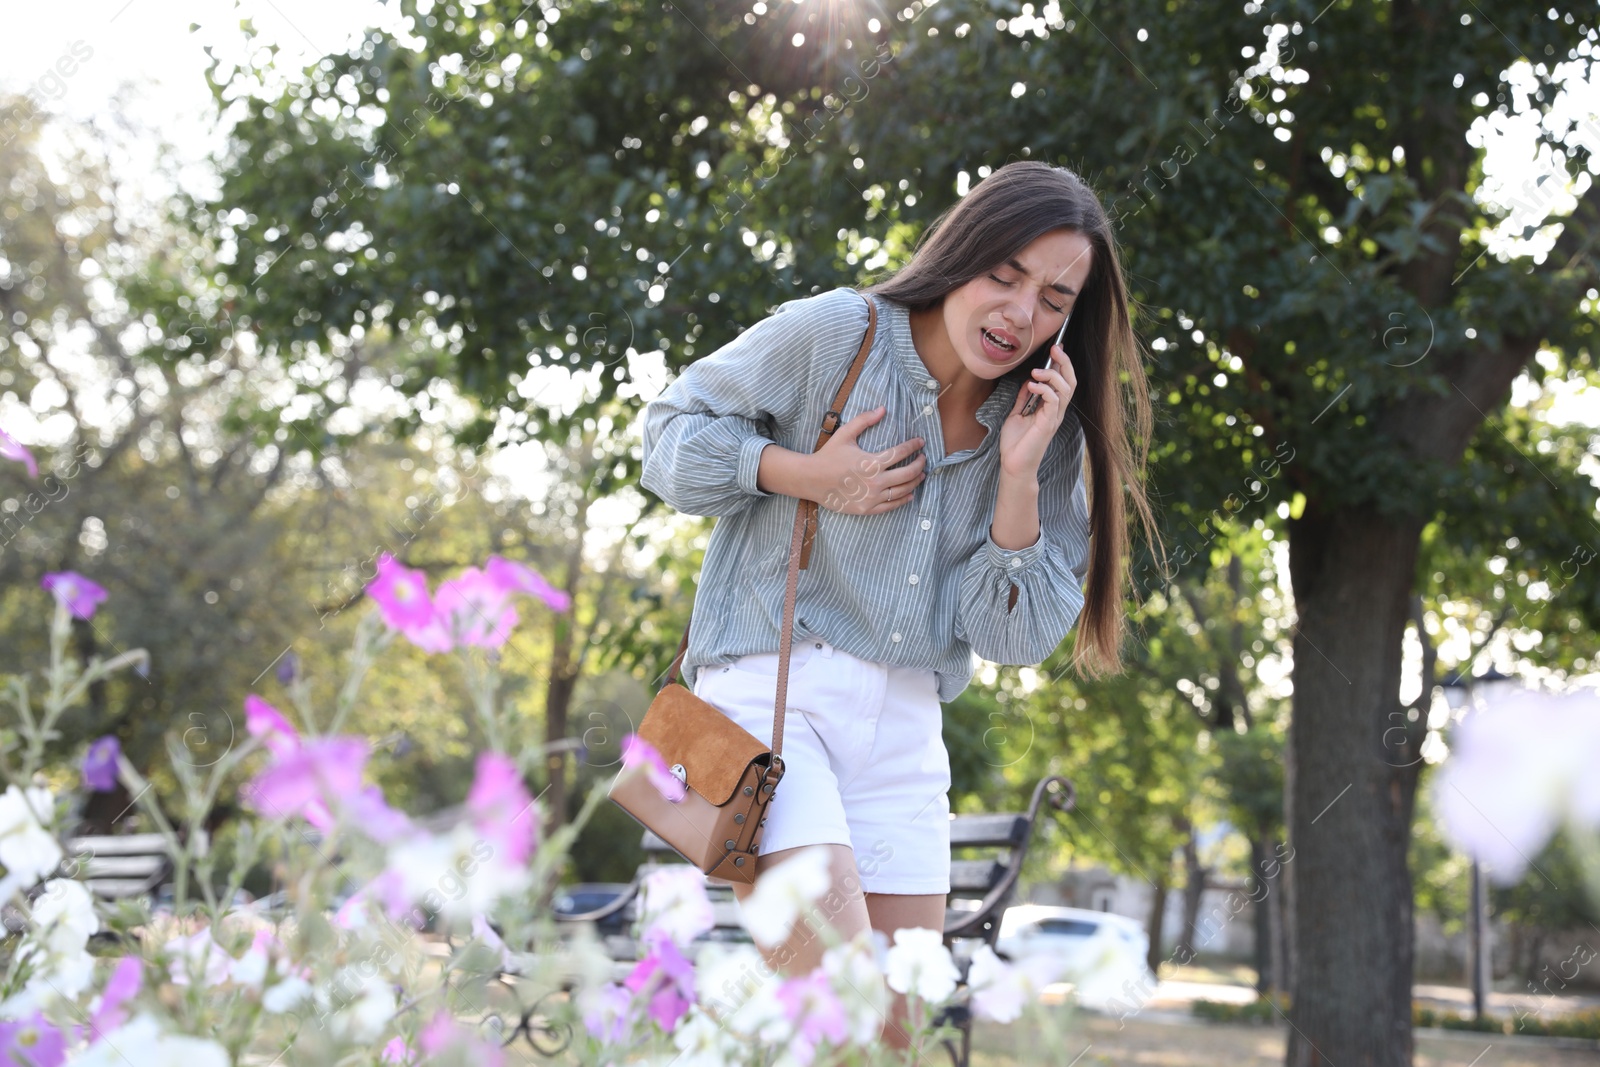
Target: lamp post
1461, 693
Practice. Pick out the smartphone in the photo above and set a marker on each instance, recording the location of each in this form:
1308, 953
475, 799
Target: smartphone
1031, 405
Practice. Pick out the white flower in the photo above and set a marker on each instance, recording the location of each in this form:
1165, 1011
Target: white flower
457, 875
27, 850
1000, 990
141, 1041
285, 995
702, 1042
1518, 766
249, 969
198, 958
20, 808
783, 892
919, 963
740, 990
366, 1004
66, 901
673, 900
64, 916
856, 975
55, 975
54, 947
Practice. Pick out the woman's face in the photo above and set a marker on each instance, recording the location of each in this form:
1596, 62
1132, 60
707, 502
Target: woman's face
999, 317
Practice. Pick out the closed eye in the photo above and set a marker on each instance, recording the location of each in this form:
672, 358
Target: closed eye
1047, 303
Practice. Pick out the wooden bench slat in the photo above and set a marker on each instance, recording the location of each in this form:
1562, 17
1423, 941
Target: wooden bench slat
119, 845
975, 876
988, 831
966, 831
116, 888
123, 866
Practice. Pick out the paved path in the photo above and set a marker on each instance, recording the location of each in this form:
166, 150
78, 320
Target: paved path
1173, 995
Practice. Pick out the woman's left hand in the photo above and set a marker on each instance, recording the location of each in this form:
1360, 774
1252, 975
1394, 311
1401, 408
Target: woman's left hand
1024, 438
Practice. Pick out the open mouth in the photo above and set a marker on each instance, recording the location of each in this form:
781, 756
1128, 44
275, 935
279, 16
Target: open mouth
998, 346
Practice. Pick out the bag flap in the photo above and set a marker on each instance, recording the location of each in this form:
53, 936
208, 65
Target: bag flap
714, 750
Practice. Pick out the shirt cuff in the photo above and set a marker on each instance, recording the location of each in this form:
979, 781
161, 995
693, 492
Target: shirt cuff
750, 462
1012, 560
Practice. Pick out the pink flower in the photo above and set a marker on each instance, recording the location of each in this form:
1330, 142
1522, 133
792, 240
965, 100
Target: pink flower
520, 578
636, 750
479, 609
78, 593
265, 721
501, 808
432, 636
443, 1032
122, 986
667, 977
814, 1009
317, 769
32, 1042
11, 448
401, 594
388, 889
366, 810
402, 598
396, 1051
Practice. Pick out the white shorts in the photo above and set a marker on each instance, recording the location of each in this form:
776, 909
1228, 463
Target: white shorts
864, 759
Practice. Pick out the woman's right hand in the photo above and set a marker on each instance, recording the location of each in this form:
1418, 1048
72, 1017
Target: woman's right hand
844, 478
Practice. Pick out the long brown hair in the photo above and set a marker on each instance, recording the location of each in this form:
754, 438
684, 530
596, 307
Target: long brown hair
996, 220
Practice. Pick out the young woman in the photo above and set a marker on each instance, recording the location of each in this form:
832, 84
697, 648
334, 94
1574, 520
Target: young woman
949, 524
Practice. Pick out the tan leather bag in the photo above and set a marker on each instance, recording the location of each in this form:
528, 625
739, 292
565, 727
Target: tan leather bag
729, 774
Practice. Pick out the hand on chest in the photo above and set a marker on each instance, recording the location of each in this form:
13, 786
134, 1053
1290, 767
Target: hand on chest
932, 419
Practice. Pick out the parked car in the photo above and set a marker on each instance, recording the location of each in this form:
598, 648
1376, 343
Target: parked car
588, 896
1101, 954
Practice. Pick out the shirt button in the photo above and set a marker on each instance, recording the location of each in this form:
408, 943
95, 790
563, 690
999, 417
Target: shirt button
933, 383
912, 579
895, 636
1015, 562
927, 409
926, 524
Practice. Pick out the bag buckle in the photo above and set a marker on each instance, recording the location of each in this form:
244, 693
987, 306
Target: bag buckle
836, 419
679, 773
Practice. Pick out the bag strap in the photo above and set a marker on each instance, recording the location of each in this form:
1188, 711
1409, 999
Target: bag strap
805, 529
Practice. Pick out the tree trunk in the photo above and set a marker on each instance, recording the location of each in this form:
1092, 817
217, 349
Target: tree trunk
1194, 887
559, 689
1354, 781
1277, 911
1158, 909
1261, 889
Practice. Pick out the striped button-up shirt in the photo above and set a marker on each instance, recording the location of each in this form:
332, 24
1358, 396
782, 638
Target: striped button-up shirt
922, 585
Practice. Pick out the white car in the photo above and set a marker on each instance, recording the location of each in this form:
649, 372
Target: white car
1101, 954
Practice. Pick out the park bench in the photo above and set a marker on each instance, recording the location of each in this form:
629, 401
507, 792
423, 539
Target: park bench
987, 851
117, 866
